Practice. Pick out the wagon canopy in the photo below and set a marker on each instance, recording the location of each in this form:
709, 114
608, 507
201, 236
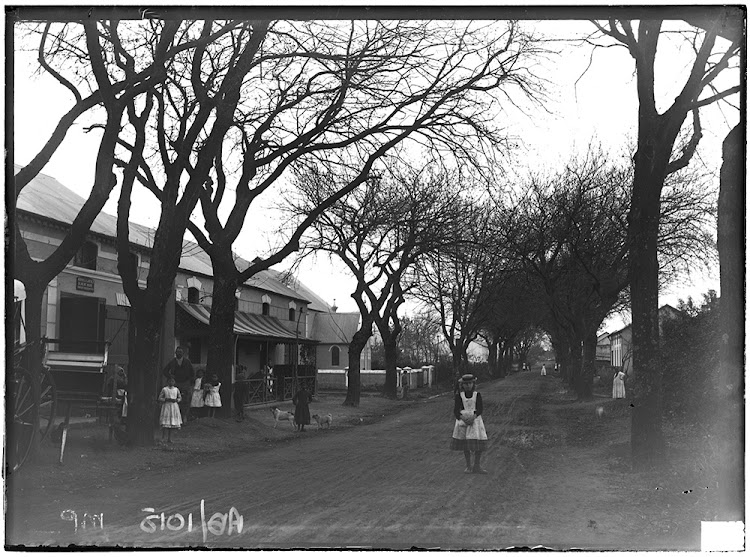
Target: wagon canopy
19, 291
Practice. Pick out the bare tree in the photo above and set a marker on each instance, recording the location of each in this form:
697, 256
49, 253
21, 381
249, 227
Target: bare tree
578, 260
453, 279
658, 132
174, 134
80, 57
418, 342
333, 94
379, 232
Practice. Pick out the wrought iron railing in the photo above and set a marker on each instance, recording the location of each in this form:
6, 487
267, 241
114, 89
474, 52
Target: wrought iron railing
270, 389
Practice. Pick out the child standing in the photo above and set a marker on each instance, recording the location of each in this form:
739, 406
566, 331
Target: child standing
196, 401
213, 399
469, 434
170, 418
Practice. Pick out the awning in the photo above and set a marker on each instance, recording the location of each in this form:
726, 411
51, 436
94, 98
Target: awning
19, 291
248, 324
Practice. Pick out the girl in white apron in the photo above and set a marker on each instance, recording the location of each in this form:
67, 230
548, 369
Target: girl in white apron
469, 434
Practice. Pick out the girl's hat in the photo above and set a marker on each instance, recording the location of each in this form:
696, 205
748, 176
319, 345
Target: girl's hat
468, 378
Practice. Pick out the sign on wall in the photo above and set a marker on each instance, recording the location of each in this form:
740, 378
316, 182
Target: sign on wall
85, 284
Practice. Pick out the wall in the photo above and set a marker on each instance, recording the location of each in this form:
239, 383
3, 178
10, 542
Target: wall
335, 379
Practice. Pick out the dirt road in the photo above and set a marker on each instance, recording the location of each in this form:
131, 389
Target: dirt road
391, 484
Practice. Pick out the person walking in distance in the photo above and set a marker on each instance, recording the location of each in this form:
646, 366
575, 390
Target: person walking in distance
469, 434
544, 370
181, 369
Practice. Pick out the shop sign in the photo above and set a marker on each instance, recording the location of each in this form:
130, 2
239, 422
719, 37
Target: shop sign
85, 284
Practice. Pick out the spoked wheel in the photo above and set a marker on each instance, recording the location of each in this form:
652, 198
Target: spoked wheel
21, 433
47, 402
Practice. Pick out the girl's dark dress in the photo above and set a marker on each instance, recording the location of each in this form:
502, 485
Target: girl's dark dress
301, 400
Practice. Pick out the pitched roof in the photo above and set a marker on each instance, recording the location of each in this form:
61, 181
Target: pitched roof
46, 197
664, 312
316, 302
335, 328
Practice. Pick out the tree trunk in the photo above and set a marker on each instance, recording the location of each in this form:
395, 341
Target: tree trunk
502, 364
220, 358
492, 358
507, 358
357, 344
32, 357
391, 356
574, 365
585, 386
729, 420
144, 373
647, 441
456, 358
562, 356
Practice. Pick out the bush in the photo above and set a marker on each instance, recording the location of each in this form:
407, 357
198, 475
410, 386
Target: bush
690, 360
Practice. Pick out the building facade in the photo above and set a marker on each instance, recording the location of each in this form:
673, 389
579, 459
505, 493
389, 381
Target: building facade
85, 304
621, 342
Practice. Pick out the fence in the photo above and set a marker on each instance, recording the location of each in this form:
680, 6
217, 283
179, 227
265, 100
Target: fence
271, 389
338, 380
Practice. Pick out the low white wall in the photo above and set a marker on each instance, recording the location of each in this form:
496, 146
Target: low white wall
337, 378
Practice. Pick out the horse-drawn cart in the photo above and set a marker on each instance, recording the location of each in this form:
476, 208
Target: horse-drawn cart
42, 379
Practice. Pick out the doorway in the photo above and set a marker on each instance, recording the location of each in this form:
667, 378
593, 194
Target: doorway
81, 324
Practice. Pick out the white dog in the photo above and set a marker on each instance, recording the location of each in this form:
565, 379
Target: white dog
322, 420
280, 416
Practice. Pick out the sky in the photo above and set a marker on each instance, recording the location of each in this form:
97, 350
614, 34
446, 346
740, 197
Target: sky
589, 98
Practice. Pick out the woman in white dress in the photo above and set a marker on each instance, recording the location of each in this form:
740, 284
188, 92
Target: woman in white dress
469, 434
618, 385
170, 417
544, 370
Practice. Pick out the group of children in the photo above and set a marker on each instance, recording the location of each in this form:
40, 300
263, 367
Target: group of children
205, 394
469, 434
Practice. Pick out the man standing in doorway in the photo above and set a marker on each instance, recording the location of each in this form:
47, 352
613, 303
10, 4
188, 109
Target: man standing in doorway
182, 370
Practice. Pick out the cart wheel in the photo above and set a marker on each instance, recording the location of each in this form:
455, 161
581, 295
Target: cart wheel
25, 410
47, 402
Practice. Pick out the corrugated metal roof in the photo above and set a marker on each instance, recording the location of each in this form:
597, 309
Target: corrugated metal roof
316, 303
249, 324
335, 328
46, 197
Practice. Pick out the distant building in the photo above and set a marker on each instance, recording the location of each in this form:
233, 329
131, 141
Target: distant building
621, 341
333, 331
603, 349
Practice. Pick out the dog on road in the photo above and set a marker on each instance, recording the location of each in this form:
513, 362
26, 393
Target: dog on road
280, 416
323, 420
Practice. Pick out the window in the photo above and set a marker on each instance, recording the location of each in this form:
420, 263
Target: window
194, 295
86, 256
291, 314
266, 308
335, 354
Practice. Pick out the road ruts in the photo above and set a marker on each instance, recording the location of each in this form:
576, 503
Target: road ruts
391, 484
